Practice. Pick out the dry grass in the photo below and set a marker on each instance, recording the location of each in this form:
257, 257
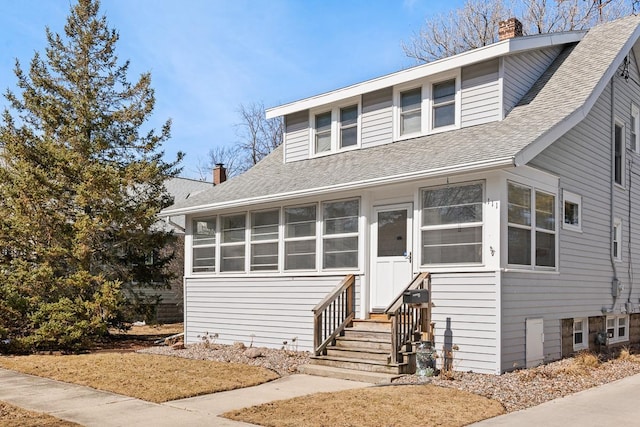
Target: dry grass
144, 376
12, 416
627, 355
375, 406
152, 330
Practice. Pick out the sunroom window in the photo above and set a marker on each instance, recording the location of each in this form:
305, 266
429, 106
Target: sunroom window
532, 227
452, 221
444, 103
340, 234
300, 238
232, 246
264, 240
204, 245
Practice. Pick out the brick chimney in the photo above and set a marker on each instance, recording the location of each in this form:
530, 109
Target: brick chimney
219, 174
509, 29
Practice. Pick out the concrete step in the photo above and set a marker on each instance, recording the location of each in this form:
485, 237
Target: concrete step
348, 374
364, 343
372, 325
359, 353
360, 365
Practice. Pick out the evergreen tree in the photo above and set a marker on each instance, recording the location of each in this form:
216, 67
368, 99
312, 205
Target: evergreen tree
80, 186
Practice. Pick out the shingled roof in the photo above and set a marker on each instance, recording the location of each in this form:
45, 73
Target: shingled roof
561, 98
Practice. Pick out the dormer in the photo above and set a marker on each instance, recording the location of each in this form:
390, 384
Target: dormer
472, 88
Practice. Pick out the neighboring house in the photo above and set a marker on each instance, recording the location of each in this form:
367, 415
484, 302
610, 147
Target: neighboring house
167, 304
506, 172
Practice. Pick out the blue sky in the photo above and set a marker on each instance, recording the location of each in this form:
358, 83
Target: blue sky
208, 57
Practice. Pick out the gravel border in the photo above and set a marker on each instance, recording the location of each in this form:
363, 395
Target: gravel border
515, 390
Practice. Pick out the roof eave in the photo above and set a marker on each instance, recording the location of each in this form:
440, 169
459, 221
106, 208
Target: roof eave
505, 47
432, 173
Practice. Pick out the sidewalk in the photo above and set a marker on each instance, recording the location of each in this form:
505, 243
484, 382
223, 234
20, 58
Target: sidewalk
612, 404
90, 407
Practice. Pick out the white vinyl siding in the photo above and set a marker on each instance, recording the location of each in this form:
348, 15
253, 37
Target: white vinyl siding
467, 315
480, 94
296, 139
521, 71
377, 118
263, 311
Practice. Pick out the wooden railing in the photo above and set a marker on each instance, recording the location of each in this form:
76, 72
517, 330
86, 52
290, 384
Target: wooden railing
407, 320
334, 313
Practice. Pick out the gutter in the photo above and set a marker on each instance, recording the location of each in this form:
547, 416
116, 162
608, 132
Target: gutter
432, 173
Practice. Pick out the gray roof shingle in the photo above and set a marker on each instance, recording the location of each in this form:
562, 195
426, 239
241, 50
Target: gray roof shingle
560, 98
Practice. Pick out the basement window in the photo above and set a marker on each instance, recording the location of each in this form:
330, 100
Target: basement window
580, 334
617, 328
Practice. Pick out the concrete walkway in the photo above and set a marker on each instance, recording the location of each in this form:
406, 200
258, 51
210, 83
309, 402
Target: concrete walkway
613, 404
91, 407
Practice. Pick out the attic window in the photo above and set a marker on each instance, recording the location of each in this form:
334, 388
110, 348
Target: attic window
444, 103
336, 129
323, 132
410, 111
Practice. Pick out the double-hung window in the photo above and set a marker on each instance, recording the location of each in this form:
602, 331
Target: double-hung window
616, 244
411, 111
232, 245
452, 220
617, 328
635, 128
444, 103
300, 238
531, 227
264, 240
323, 132
618, 154
204, 245
340, 234
336, 129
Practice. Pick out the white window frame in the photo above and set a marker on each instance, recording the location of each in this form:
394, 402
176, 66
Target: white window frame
214, 245
616, 239
634, 128
584, 345
400, 113
575, 199
336, 126
613, 331
257, 242
326, 237
313, 237
426, 86
452, 226
623, 150
533, 227
455, 102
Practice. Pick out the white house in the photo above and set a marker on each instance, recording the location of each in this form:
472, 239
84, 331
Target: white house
506, 172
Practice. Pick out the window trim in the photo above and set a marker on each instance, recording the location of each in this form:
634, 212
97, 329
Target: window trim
423, 228
584, 345
336, 127
616, 237
573, 198
533, 227
616, 338
455, 102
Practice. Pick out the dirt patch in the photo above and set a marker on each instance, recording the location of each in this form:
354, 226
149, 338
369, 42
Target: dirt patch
375, 406
12, 416
136, 338
144, 376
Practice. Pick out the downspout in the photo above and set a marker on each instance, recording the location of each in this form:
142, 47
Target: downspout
630, 262
611, 200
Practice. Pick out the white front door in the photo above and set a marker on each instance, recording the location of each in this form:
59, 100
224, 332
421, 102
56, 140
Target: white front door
391, 257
